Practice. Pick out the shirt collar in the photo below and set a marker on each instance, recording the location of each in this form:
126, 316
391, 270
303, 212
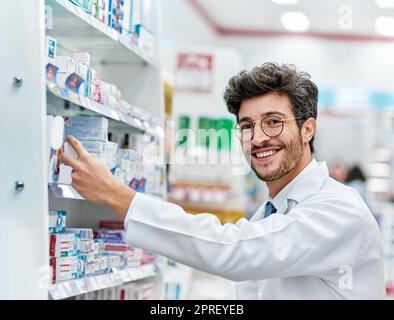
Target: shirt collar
310, 179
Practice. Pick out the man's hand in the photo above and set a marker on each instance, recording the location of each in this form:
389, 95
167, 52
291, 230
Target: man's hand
95, 182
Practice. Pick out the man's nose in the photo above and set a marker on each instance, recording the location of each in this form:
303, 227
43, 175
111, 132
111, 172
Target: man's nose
259, 137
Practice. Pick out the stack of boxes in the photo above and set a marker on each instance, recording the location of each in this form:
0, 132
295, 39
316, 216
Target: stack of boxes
112, 237
76, 74
130, 169
93, 134
107, 94
140, 165
137, 167
131, 17
78, 65
91, 85
65, 261
74, 253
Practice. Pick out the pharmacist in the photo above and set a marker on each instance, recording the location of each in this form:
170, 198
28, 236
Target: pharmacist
314, 238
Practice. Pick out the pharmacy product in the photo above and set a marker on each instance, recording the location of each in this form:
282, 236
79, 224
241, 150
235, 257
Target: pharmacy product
64, 268
62, 244
57, 221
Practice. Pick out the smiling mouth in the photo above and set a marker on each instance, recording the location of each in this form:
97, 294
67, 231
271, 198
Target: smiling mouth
265, 154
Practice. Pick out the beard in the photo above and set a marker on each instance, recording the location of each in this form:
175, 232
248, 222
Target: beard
293, 152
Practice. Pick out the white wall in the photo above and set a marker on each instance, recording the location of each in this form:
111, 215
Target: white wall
183, 30
330, 63
182, 26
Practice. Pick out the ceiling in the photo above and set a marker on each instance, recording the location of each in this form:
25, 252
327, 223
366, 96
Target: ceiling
348, 19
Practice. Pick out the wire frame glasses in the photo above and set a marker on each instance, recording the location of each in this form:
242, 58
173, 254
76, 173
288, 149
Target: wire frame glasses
272, 126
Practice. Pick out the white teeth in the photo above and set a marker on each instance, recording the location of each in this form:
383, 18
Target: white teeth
266, 153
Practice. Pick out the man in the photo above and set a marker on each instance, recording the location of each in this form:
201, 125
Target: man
313, 239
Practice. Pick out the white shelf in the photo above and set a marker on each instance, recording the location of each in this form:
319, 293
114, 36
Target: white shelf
66, 191
107, 112
95, 23
71, 288
70, 29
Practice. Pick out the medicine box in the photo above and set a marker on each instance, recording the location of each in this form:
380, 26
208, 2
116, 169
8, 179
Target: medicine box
82, 233
62, 244
65, 268
57, 221
65, 64
87, 128
78, 122
85, 245
100, 147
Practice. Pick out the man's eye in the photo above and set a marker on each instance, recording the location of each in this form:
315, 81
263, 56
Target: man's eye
246, 126
273, 121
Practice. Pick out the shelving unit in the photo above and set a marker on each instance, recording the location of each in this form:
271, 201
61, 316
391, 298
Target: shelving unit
85, 106
114, 47
72, 288
134, 70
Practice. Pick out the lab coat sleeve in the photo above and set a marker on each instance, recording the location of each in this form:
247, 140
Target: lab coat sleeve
318, 237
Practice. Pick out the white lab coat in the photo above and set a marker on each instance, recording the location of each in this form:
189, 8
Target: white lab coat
323, 242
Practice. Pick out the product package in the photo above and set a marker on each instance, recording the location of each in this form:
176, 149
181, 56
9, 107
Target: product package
51, 49
65, 268
114, 260
86, 257
65, 64
82, 233
111, 224
85, 245
117, 236
63, 244
82, 121
55, 129
100, 147
87, 128
57, 221
127, 15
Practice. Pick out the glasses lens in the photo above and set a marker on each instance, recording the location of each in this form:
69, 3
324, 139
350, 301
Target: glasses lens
272, 126
244, 131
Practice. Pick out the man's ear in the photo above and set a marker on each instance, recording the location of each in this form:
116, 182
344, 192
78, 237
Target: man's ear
308, 130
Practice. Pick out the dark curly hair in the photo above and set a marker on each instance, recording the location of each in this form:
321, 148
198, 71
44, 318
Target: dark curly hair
272, 77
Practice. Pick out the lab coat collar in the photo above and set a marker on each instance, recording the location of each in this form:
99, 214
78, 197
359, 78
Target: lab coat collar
280, 201
309, 180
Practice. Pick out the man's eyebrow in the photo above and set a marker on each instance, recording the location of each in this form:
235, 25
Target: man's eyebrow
271, 113
245, 119
265, 114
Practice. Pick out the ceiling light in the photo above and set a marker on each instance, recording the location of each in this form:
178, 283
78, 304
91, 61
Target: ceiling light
285, 2
384, 4
385, 26
295, 21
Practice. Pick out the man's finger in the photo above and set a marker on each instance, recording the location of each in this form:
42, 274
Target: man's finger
77, 146
69, 161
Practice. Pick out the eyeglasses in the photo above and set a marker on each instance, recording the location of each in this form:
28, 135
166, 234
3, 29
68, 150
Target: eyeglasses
272, 126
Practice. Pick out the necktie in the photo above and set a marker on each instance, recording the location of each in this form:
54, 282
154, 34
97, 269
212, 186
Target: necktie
269, 209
